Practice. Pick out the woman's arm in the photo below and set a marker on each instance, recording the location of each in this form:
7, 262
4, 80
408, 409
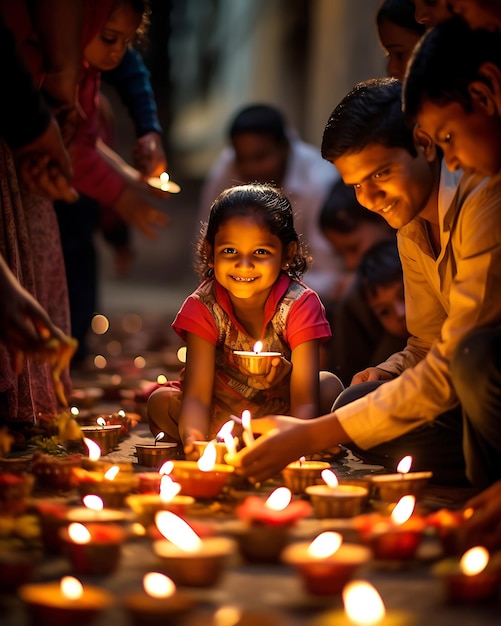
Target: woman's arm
305, 387
198, 387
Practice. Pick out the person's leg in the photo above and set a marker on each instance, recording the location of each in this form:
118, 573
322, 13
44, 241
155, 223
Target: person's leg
163, 413
476, 375
330, 388
436, 446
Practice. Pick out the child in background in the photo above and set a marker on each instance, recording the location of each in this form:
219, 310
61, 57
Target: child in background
398, 34
485, 14
381, 280
454, 92
431, 12
358, 337
251, 259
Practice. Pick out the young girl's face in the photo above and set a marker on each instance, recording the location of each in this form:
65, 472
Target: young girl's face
247, 258
387, 304
107, 48
431, 12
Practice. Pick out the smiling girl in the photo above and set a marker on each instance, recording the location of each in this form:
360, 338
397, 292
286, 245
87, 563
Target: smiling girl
251, 259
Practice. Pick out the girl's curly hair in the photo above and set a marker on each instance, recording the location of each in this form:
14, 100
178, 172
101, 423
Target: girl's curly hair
269, 207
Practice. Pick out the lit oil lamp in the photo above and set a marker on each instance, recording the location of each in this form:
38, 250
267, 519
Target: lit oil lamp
363, 605
449, 528
163, 183
93, 511
93, 548
391, 487
396, 537
149, 482
55, 473
203, 478
160, 603
303, 473
94, 462
146, 505
474, 577
335, 500
326, 564
154, 454
106, 436
112, 487
66, 603
256, 362
185, 557
264, 526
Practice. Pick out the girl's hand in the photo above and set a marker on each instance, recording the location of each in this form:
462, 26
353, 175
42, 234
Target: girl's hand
190, 435
149, 156
284, 439
370, 374
134, 207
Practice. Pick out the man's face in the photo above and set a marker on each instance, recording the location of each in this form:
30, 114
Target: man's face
260, 157
469, 140
477, 14
391, 182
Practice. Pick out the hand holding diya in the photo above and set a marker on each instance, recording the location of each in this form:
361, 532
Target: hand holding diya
185, 557
395, 537
391, 487
256, 362
326, 564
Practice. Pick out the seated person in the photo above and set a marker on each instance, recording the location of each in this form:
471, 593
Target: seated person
264, 150
357, 335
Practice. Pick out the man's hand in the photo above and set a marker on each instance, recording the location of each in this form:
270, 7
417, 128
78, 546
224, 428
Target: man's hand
370, 374
149, 156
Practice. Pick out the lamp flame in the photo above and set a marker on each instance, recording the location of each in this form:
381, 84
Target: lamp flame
404, 465
177, 531
168, 488
164, 181
79, 533
325, 545
330, 478
112, 473
474, 561
227, 427
71, 587
248, 435
279, 499
166, 468
230, 443
363, 604
101, 422
94, 503
403, 509
93, 448
208, 459
258, 346
159, 436
158, 585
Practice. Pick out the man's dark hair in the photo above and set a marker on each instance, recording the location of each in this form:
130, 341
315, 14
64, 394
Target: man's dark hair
370, 114
445, 62
259, 118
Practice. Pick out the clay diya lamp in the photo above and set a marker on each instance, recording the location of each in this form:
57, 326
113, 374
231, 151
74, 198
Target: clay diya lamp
475, 577
155, 454
160, 604
149, 482
14, 492
395, 537
94, 463
220, 447
391, 487
302, 474
256, 362
163, 183
67, 603
106, 436
326, 564
52, 517
93, 511
93, 548
146, 505
54, 472
185, 557
263, 528
449, 528
112, 487
203, 478
335, 500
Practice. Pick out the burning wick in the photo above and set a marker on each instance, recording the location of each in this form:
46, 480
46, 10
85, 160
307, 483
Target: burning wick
248, 435
404, 465
160, 435
101, 422
258, 346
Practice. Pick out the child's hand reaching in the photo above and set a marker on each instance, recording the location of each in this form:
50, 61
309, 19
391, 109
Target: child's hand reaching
370, 374
280, 368
149, 155
190, 435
